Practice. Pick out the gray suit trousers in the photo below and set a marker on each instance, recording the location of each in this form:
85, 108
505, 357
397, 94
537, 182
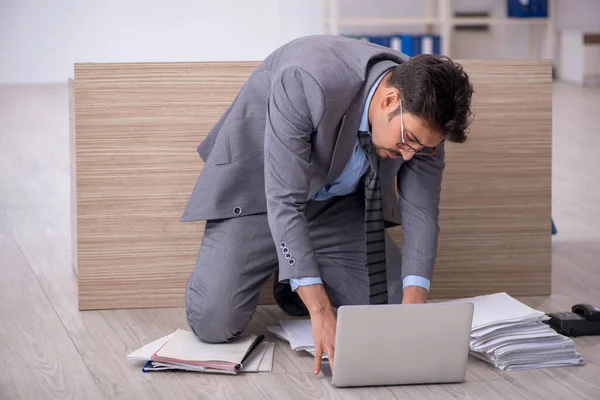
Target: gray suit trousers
238, 255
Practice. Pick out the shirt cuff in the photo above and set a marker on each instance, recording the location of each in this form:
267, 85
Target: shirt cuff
295, 283
414, 280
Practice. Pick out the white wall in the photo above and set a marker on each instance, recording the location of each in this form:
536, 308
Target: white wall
578, 15
41, 39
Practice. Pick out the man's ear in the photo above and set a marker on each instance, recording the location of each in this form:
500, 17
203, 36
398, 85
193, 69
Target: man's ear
392, 99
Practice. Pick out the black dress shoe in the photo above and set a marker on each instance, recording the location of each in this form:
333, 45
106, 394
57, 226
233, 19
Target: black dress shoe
290, 302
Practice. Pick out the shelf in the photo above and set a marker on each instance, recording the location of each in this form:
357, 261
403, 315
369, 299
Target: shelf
347, 22
440, 18
498, 21
369, 22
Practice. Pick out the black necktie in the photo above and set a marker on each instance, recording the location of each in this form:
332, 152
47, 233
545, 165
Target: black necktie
374, 225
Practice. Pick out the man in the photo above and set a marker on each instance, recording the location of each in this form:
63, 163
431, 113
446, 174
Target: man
329, 139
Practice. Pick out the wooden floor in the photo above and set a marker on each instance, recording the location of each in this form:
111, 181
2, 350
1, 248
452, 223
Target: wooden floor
50, 350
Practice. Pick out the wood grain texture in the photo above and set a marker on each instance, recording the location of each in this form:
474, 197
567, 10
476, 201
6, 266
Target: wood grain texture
73, 172
137, 128
38, 358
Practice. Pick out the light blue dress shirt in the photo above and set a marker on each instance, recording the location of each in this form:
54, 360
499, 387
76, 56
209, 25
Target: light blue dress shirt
346, 183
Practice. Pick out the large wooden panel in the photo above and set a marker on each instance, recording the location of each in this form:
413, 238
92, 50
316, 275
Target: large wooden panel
137, 128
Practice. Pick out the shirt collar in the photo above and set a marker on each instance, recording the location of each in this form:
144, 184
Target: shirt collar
364, 122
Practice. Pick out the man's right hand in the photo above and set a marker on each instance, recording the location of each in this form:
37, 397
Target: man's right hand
323, 322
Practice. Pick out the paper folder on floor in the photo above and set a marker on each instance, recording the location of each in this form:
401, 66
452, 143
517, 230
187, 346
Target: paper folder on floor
182, 350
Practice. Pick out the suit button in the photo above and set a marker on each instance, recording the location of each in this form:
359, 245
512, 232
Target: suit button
237, 210
282, 245
291, 262
288, 255
285, 250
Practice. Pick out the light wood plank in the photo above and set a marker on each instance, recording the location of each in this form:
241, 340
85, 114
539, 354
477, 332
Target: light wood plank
136, 166
73, 173
137, 128
39, 360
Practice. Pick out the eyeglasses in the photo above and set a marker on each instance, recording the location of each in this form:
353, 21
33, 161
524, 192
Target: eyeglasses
425, 151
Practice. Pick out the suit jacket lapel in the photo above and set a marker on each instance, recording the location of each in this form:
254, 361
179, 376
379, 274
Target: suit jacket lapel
351, 121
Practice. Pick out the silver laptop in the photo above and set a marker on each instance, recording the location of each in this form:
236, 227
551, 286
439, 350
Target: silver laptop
401, 344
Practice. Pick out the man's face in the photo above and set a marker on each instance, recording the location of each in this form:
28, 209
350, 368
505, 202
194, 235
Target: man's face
387, 132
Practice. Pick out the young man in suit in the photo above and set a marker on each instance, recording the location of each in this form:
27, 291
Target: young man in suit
330, 140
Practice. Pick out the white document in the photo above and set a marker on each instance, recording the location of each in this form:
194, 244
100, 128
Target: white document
279, 332
512, 338
266, 365
183, 350
511, 335
158, 366
299, 333
185, 347
261, 360
499, 308
487, 333
252, 364
146, 352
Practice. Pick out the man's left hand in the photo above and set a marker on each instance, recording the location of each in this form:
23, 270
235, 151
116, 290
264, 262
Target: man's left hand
414, 295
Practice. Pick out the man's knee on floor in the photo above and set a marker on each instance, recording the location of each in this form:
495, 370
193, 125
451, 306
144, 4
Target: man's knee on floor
213, 324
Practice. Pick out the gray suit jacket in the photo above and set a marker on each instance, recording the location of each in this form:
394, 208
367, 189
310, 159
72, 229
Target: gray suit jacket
290, 131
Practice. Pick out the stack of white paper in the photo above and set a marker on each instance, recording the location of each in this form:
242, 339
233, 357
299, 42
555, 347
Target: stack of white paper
298, 332
182, 350
511, 335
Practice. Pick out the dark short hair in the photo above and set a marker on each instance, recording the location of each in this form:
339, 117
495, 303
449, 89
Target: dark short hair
438, 90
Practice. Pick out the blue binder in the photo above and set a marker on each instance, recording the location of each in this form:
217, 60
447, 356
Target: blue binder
527, 8
410, 44
381, 40
538, 8
437, 44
